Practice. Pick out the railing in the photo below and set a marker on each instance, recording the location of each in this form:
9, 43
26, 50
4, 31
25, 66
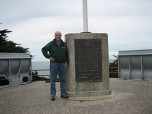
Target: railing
36, 76
35, 72
113, 72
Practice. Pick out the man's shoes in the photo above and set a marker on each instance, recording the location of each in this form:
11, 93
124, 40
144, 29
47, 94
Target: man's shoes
65, 96
53, 98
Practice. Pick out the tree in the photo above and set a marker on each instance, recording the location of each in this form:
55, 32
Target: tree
114, 63
9, 46
113, 68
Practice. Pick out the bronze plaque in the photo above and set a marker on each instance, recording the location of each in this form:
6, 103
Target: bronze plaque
88, 60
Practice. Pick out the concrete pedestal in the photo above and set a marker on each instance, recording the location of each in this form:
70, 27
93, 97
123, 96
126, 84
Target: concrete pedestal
88, 70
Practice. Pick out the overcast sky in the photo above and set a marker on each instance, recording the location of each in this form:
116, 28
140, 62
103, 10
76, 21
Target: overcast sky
128, 23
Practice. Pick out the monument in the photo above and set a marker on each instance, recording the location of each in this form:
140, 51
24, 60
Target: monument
88, 70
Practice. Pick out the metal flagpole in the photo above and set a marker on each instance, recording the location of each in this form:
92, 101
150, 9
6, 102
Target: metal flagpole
85, 16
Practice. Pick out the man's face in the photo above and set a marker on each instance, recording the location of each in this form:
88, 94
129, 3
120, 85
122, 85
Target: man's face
58, 36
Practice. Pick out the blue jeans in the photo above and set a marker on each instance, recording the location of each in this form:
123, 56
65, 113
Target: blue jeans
54, 69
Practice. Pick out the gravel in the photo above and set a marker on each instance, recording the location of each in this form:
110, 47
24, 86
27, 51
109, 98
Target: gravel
128, 97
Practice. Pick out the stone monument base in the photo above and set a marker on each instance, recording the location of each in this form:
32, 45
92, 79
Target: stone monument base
88, 70
89, 93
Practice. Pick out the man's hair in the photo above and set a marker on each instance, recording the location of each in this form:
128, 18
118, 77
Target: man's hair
57, 32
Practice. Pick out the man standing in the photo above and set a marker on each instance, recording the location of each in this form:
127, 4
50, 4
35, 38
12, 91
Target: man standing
57, 52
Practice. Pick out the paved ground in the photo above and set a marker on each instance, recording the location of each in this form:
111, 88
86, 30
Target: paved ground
128, 97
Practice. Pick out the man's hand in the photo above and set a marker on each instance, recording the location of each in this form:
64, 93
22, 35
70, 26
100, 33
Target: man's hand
52, 59
66, 64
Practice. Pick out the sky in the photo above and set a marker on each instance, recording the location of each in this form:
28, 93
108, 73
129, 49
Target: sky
128, 23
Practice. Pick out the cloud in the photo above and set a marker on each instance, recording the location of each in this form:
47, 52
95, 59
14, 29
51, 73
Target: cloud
33, 22
34, 33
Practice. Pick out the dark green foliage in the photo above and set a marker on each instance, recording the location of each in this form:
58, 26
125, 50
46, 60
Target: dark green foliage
3, 81
113, 68
36, 77
9, 46
114, 63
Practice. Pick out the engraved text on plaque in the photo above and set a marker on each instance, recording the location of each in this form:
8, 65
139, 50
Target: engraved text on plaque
88, 60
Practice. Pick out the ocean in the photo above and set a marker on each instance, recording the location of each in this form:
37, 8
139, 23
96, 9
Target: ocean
42, 67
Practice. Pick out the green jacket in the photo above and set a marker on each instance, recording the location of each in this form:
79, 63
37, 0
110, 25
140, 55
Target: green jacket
60, 53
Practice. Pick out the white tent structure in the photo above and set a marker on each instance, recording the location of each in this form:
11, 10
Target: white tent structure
16, 68
135, 64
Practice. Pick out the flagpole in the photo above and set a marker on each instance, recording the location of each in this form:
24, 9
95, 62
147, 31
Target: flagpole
85, 16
